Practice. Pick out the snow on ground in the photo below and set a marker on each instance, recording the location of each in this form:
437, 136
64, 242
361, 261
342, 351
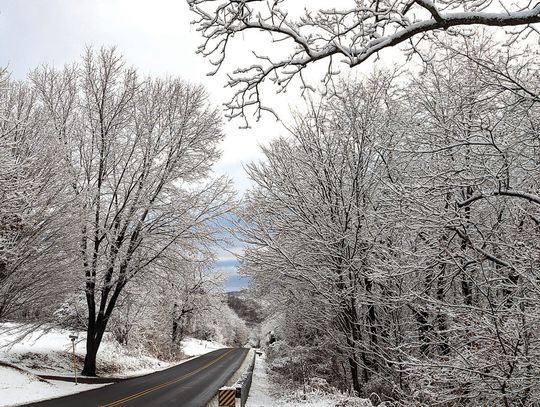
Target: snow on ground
50, 352
19, 387
264, 393
195, 347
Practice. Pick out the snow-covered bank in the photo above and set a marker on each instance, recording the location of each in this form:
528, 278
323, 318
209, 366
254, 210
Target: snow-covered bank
18, 387
264, 393
49, 351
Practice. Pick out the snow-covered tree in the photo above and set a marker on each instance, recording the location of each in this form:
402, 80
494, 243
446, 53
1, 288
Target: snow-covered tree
344, 33
477, 141
158, 311
35, 251
311, 222
398, 225
137, 152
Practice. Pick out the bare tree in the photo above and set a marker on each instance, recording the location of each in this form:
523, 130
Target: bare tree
158, 311
137, 153
310, 230
420, 269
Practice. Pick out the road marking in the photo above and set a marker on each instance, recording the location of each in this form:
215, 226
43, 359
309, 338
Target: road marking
161, 386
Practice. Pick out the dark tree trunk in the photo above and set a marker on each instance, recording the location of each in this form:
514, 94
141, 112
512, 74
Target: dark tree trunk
353, 339
174, 323
372, 317
466, 281
174, 331
354, 375
93, 342
96, 327
424, 328
347, 323
442, 325
89, 368
92, 347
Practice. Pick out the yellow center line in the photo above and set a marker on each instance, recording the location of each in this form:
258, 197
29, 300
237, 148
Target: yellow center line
160, 386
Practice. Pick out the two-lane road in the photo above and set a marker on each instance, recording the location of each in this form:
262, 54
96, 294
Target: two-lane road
191, 384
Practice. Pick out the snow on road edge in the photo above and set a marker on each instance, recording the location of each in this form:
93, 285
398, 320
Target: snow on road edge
232, 380
264, 394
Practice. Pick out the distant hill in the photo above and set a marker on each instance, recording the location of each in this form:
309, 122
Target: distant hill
246, 308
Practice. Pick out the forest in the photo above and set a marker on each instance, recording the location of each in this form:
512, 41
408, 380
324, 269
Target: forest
397, 230
390, 234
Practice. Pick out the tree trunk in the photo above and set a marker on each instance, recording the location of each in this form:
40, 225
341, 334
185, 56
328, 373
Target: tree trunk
93, 342
92, 347
174, 323
442, 325
352, 319
372, 317
354, 375
424, 329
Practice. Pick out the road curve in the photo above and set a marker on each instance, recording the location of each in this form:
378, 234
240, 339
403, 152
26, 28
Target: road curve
191, 384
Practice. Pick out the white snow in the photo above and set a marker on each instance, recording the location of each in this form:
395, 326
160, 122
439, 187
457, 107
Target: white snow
50, 352
195, 347
264, 393
17, 387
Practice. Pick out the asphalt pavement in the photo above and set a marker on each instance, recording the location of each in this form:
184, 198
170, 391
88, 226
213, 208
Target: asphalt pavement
191, 384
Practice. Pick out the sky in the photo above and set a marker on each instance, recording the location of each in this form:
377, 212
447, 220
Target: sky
154, 36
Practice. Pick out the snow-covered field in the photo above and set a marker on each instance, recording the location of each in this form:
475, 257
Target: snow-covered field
50, 352
264, 393
17, 386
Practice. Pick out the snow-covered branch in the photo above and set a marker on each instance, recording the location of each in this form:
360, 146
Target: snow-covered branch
351, 35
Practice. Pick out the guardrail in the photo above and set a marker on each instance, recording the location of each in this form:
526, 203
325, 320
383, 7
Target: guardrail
241, 387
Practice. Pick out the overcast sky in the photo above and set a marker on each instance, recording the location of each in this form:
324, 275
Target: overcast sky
155, 36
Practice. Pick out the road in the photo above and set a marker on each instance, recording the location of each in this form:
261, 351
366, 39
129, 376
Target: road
191, 384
